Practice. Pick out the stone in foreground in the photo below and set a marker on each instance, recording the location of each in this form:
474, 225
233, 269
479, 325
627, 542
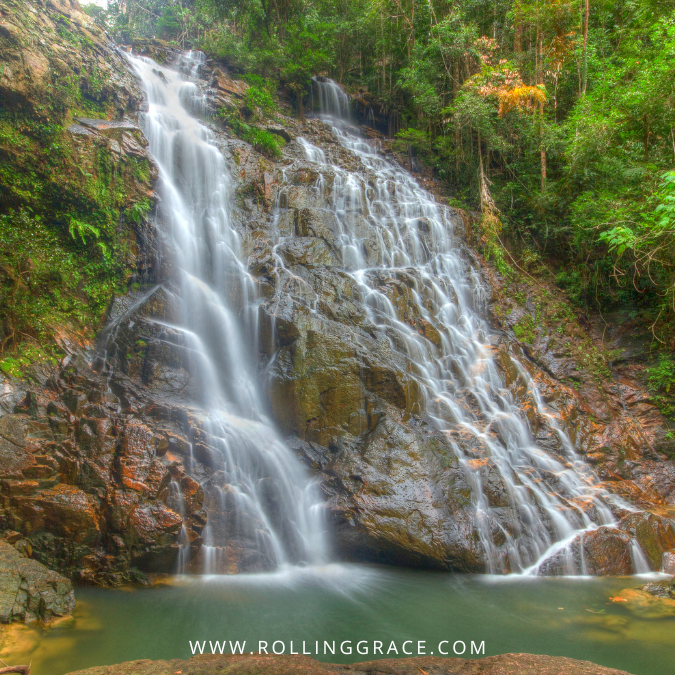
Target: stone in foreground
29, 591
504, 664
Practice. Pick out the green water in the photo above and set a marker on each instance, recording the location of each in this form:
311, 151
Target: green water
566, 617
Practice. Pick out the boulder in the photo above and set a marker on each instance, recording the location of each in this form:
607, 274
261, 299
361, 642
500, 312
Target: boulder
153, 533
653, 533
602, 552
29, 591
224, 83
660, 589
504, 664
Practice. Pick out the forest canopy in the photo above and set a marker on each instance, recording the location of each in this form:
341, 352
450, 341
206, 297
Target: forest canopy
559, 113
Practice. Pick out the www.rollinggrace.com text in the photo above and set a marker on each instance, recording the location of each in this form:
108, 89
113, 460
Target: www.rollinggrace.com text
347, 647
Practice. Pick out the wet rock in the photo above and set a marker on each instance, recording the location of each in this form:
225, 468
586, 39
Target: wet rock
29, 64
653, 533
306, 252
64, 510
279, 131
153, 534
602, 552
660, 589
136, 452
607, 552
14, 455
159, 50
91, 500
669, 562
224, 83
399, 496
29, 591
504, 664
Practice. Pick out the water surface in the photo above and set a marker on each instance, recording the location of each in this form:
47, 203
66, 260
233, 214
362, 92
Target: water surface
571, 617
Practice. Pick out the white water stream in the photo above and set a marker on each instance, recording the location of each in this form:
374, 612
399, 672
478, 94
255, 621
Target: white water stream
392, 228
260, 502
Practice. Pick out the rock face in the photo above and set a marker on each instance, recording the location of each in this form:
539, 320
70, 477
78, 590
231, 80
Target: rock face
56, 61
350, 395
505, 664
65, 43
90, 485
80, 185
29, 591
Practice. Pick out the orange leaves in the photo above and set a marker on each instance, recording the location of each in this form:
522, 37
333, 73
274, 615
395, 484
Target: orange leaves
523, 97
499, 78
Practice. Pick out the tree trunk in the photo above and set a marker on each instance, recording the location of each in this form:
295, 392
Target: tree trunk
518, 38
540, 80
585, 65
543, 168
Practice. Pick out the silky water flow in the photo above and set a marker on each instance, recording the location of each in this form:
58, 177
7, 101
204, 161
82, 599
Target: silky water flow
259, 499
551, 499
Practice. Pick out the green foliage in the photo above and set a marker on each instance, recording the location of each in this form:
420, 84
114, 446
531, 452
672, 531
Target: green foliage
263, 141
661, 381
82, 230
258, 99
661, 377
576, 137
139, 210
46, 283
524, 329
62, 250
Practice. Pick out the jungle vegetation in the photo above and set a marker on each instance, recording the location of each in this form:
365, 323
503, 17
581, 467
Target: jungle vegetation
556, 117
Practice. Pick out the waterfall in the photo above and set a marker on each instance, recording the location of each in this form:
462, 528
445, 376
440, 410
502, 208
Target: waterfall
329, 98
259, 501
551, 500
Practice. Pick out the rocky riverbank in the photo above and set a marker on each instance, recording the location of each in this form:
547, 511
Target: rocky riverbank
505, 664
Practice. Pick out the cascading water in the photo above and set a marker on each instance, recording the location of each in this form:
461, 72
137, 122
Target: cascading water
258, 499
551, 500
329, 98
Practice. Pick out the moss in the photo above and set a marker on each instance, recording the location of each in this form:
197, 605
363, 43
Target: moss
555, 318
524, 329
263, 141
62, 251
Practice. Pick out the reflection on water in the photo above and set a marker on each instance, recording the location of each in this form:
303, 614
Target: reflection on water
565, 617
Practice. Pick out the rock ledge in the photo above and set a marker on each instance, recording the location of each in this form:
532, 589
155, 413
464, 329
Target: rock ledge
504, 664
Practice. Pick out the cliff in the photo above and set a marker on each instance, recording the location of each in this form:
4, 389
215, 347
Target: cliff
107, 459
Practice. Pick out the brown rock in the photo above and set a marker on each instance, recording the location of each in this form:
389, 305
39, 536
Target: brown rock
153, 533
654, 534
505, 664
226, 84
14, 455
137, 450
29, 591
607, 552
70, 513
